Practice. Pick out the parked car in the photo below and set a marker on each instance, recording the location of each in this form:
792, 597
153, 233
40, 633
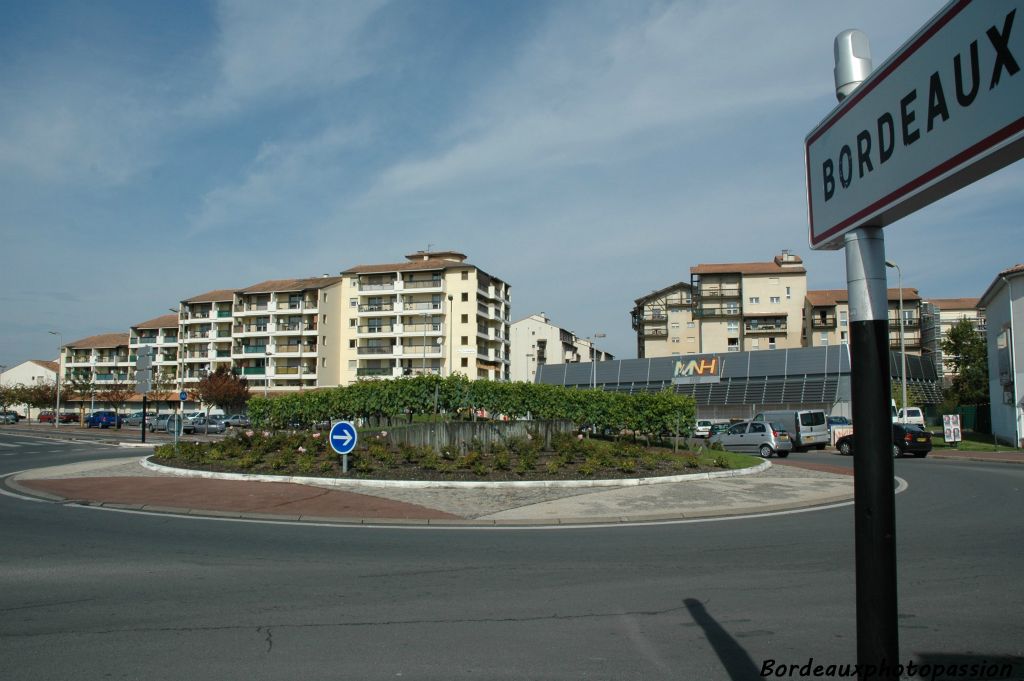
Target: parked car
906, 439
838, 422
68, 417
237, 421
806, 427
159, 424
756, 437
103, 419
913, 415
200, 424
8, 417
135, 418
717, 428
45, 417
703, 427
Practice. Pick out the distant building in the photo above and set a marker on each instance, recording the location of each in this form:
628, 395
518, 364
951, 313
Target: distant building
827, 319
1003, 302
664, 323
938, 315
749, 306
31, 372
435, 313
535, 342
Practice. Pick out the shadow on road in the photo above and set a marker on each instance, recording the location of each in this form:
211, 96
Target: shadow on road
734, 657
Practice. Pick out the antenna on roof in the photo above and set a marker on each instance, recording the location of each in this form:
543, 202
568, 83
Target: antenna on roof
429, 247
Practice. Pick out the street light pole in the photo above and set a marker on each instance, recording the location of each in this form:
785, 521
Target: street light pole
593, 358
60, 349
903, 347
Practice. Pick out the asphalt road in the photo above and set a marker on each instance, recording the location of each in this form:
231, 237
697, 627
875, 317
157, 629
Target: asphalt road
93, 594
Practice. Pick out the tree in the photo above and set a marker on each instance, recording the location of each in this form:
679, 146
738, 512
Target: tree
39, 395
162, 388
222, 389
116, 393
83, 388
966, 350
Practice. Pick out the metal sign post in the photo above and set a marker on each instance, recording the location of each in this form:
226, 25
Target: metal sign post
143, 379
944, 110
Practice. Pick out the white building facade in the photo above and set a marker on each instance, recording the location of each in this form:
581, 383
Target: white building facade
536, 342
1004, 311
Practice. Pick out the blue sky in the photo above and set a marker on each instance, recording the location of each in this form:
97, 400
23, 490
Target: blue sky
585, 152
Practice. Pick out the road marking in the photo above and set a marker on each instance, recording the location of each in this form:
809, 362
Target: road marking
4, 444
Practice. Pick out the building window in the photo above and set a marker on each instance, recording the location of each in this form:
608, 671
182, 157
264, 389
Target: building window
771, 342
842, 318
789, 293
465, 297
734, 345
324, 341
353, 302
732, 325
775, 300
323, 319
465, 277
675, 339
675, 325
754, 344
843, 338
465, 319
691, 339
823, 338
465, 340
465, 361
353, 322
352, 342
352, 363
754, 300
690, 325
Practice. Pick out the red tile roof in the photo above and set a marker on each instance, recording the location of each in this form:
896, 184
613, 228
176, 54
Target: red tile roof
411, 266
161, 322
830, 297
103, 340
275, 285
46, 364
218, 296
954, 303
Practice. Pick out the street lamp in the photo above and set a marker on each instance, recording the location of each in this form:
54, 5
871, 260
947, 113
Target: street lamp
593, 358
60, 349
266, 372
903, 348
426, 316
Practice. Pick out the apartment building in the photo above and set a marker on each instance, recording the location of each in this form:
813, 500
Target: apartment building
749, 306
664, 322
286, 332
104, 360
535, 342
827, 318
938, 315
160, 334
434, 313
205, 335
1003, 301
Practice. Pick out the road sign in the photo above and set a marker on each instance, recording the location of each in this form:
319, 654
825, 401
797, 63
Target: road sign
143, 381
183, 395
144, 359
343, 437
944, 111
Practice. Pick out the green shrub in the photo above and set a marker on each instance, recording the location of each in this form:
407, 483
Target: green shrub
502, 461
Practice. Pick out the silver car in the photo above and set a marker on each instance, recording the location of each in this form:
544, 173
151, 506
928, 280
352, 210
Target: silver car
755, 437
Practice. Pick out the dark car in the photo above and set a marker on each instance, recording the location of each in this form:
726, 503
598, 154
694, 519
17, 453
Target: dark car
907, 438
8, 417
103, 419
67, 417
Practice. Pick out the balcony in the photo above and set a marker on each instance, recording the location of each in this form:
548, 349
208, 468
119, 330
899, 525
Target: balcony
377, 307
716, 312
911, 323
422, 306
765, 328
720, 292
423, 328
254, 371
655, 333
375, 330
377, 286
196, 315
222, 314
424, 283
253, 349
376, 350
826, 322
252, 308
374, 371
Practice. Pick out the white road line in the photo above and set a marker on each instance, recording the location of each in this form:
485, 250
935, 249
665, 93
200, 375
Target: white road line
4, 444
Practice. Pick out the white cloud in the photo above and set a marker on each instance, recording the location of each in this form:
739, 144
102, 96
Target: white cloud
277, 50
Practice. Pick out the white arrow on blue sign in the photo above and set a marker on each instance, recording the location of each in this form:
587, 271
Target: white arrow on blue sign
343, 437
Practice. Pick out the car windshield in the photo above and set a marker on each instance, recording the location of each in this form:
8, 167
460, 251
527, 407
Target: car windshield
778, 427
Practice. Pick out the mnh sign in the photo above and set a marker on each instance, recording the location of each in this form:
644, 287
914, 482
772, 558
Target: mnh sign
696, 371
945, 110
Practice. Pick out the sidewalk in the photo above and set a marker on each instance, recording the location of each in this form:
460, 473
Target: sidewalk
127, 484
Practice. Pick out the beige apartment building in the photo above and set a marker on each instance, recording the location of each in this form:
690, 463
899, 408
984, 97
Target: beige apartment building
535, 342
205, 335
160, 334
103, 359
827, 318
749, 306
434, 313
938, 315
664, 322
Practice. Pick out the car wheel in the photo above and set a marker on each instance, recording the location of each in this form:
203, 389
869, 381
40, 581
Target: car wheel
896, 451
765, 451
845, 448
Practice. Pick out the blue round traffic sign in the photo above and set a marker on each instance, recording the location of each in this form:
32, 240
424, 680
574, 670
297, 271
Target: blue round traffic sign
343, 437
183, 395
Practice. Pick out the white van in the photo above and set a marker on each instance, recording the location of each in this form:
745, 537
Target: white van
912, 415
807, 427
703, 428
